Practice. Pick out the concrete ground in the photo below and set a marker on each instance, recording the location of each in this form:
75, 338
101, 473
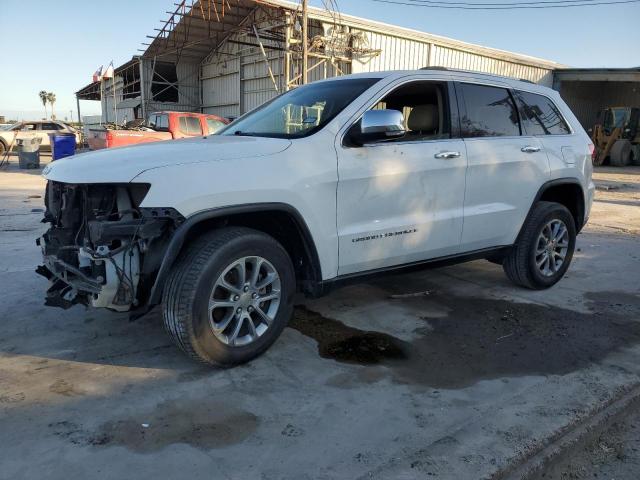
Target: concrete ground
615, 454
450, 373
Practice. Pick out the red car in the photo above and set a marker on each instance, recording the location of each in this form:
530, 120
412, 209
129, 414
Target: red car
160, 126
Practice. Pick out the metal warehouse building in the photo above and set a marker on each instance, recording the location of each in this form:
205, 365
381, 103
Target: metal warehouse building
589, 90
228, 56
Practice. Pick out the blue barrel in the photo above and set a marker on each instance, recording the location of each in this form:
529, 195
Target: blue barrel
62, 145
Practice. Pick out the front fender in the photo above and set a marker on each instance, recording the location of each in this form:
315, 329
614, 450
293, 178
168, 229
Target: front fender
181, 234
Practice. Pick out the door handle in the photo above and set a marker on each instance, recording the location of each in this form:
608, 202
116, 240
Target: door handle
530, 149
447, 155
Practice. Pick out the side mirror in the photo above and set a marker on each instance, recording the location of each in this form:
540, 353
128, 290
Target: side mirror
377, 125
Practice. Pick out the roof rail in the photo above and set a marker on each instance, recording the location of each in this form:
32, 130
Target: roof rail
441, 68
447, 69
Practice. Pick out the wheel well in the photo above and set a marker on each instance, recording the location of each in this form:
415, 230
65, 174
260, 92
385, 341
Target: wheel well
289, 231
571, 196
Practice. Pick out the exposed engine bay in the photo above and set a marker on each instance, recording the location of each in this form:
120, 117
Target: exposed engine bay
102, 249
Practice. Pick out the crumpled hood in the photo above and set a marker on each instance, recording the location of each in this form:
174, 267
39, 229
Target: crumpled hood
121, 165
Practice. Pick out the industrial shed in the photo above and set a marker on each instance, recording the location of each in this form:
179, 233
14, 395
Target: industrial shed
228, 56
588, 91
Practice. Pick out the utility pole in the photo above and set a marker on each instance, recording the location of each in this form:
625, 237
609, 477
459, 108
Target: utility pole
78, 105
305, 46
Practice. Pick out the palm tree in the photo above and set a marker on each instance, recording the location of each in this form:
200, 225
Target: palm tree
52, 99
44, 99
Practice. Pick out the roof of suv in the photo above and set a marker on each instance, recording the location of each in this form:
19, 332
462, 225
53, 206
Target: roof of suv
452, 74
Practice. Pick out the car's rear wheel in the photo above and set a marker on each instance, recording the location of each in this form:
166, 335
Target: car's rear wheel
635, 155
230, 296
544, 248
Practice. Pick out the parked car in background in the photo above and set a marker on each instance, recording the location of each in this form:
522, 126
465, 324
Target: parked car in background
39, 128
335, 179
159, 126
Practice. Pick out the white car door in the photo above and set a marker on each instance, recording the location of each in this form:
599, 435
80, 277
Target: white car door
401, 201
506, 168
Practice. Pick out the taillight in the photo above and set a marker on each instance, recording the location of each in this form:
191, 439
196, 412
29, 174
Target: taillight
592, 150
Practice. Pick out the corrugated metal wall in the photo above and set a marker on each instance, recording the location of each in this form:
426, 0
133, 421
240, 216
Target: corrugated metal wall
188, 87
587, 99
401, 53
452, 58
395, 53
108, 112
235, 80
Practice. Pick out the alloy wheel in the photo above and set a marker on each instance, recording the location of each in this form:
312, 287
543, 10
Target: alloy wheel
244, 301
551, 247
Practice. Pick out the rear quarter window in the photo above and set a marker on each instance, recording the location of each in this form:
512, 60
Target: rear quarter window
540, 116
489, 111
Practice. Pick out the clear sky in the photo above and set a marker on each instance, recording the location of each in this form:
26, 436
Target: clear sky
56, 46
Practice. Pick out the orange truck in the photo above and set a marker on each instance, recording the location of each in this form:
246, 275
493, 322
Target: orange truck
159, 126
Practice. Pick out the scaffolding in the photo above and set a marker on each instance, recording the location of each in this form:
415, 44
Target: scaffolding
198, 28
166, 74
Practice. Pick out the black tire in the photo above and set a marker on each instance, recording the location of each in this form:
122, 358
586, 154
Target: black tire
620, 155
635, 155
520, 263
3, 148
188, 288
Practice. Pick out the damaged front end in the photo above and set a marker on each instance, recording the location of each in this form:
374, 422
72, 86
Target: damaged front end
102, 249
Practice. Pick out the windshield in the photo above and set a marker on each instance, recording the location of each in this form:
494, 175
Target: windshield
300, 112
616, 117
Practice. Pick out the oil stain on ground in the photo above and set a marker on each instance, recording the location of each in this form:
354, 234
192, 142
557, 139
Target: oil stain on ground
482, 339
203, 425
347, 344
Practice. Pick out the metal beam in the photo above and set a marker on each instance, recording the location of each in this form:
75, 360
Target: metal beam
268, 47
305, 40
266, 59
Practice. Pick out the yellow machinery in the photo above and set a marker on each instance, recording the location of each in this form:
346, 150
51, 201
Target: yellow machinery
618, 137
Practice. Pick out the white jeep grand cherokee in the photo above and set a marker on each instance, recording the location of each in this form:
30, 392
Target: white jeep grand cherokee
334, 179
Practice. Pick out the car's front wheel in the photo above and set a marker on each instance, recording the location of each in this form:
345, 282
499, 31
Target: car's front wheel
544, 248
229, 296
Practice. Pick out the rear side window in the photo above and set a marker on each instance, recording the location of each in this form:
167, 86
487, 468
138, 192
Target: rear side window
490, 111
190, 126
50, 126
540, 116
159, 121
